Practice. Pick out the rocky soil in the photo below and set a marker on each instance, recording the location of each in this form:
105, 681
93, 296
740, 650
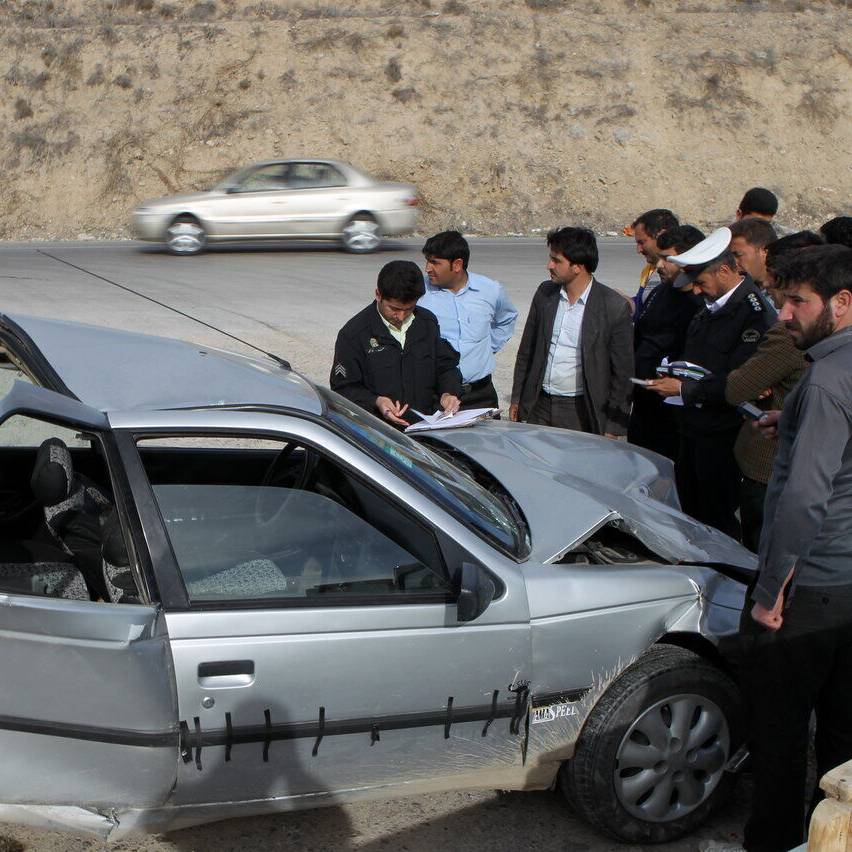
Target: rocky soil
509, 115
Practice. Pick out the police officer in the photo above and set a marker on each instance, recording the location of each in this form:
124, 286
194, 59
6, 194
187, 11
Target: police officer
721, 336
390, 358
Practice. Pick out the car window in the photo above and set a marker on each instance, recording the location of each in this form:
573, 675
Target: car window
250, 519
263, 179
496, 520
21, 431
314, 175
60, 533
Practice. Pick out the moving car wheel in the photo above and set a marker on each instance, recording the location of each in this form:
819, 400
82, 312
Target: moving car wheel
650, 763
361, 234
186, 236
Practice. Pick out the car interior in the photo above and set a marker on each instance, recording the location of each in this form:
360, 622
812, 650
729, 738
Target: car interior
60, 535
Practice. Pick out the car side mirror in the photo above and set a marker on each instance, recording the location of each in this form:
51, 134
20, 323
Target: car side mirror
476, 591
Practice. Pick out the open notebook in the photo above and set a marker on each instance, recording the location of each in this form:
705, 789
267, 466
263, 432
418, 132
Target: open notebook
442, 420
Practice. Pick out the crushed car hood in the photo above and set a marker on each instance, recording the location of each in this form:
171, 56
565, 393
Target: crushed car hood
569, 484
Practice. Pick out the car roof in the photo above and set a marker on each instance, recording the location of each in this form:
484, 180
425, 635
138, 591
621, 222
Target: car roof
113, 370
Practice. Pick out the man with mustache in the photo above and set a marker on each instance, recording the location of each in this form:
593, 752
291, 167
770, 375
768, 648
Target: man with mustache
721, 336
575, 359
476, 316
797, 624
765, 379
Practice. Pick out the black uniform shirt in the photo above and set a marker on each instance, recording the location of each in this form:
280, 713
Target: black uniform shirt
660, 330
721, 341
369, 362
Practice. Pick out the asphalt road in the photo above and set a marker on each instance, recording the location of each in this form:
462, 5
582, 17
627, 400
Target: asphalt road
291, 300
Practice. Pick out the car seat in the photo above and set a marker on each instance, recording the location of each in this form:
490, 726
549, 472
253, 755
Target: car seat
75, 512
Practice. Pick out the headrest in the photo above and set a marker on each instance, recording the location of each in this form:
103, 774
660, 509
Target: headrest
52, 473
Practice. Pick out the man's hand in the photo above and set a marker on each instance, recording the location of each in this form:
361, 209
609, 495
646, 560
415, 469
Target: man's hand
665, 386
391, 410
614, 436
772, 619
513, 412
450, 403
768, 424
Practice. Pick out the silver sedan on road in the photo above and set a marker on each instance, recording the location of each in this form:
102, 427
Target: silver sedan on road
299, 199
226, 591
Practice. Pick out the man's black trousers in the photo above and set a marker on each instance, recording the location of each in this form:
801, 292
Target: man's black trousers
479, 394
708, 478
804, 666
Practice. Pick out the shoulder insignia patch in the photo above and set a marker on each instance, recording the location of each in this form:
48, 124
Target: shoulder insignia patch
754, 301
339, 370
751, 335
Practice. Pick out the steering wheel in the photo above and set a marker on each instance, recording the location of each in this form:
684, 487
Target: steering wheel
271, 502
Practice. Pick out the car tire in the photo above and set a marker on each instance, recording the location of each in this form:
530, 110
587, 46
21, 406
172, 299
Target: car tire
186, 236
643, 790
361, 234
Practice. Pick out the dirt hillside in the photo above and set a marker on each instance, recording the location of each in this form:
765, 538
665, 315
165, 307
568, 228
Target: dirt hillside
509, 115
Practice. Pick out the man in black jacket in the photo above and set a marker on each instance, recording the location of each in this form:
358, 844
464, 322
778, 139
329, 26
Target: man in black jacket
721, 336
660, 332
390, 358
575, 359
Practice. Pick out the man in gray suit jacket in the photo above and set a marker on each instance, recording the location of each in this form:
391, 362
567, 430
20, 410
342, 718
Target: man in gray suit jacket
575, 359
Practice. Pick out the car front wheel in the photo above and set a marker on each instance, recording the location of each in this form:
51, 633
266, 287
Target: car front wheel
186, 236
649, 765
361, 234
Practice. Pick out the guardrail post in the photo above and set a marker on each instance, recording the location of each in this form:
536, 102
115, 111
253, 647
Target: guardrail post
831, 823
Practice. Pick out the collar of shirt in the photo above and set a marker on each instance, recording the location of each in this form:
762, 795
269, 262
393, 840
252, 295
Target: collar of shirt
722, 300
397, 334
829, 344
470, 284
584, 296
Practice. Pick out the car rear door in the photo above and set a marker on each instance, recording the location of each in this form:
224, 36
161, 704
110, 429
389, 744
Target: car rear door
88, 713
284, 695
317, 199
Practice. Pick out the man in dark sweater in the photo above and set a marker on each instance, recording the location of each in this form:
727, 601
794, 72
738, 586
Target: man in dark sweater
660, 332
797, 624
390, 358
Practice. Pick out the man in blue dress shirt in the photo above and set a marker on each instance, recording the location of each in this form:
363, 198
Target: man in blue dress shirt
475, 314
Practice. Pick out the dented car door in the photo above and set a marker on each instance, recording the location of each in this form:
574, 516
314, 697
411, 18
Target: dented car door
309, 693
88, 715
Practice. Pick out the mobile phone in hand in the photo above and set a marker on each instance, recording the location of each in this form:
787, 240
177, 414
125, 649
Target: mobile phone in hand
750, 410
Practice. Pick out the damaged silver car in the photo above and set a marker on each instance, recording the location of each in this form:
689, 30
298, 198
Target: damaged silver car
225, 591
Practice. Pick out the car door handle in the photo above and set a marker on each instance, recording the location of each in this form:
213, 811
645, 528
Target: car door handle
226, 673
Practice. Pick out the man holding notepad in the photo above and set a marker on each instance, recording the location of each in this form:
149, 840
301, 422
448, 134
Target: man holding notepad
390, 358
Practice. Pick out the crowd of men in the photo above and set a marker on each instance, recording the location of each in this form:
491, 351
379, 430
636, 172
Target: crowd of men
736, 317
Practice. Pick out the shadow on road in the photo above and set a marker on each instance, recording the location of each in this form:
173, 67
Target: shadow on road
276, 247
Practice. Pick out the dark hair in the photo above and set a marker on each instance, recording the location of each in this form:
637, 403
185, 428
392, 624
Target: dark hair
448, 245
792, 242
654, 221
681, 238
759, 200
838, 231
726, 258
827, 269
577, 244
756, 232
401, 280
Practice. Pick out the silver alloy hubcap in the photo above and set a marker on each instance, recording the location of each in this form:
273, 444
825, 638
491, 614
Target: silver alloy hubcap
672, 758
362, 235
185, 238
